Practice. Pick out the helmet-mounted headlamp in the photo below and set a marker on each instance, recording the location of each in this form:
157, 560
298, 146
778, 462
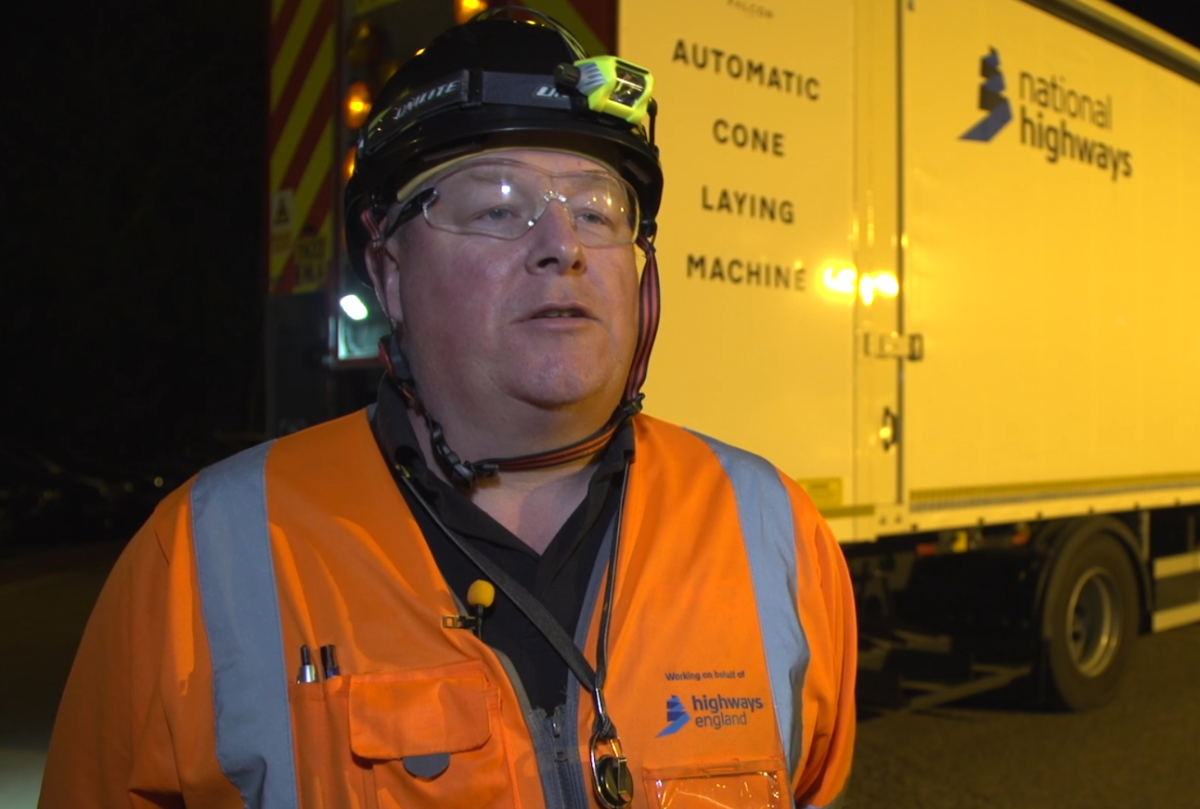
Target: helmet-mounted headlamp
612, 86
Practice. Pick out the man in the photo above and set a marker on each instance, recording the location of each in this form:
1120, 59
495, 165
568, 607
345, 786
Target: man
601, 610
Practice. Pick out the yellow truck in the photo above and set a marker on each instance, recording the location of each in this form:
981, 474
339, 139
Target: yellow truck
935, 259
930, 257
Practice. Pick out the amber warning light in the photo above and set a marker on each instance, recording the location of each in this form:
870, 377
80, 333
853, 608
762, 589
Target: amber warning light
358, 104
466, 9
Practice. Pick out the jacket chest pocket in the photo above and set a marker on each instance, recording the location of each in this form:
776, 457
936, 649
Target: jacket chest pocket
431, 737
418, 737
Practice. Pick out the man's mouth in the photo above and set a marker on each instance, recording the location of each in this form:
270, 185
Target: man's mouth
567, 312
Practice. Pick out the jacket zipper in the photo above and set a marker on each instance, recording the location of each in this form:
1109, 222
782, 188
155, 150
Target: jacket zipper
566, 761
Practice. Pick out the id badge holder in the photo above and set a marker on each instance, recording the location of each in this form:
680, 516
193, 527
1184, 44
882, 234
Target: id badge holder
737, 785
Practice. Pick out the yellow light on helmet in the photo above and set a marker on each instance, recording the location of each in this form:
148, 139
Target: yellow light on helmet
612, 86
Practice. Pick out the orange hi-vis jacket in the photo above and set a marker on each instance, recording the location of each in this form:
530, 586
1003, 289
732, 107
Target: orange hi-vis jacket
731, 653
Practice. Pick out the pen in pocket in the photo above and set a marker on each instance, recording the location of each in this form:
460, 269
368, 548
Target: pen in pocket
329, 661
308, 672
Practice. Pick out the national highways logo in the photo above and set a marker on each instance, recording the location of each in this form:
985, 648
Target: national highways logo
712, 712
991, 100
1062, 123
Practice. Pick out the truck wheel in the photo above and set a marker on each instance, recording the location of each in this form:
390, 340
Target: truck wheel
1093, 622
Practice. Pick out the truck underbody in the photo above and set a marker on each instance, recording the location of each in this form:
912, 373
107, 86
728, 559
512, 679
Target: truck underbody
948, 614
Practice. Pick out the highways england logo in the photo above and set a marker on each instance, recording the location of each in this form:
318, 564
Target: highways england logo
677, 716
714, 713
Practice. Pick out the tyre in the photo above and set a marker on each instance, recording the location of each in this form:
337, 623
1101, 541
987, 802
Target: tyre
1092, 618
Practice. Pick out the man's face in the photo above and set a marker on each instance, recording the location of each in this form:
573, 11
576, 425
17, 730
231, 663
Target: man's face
540, 319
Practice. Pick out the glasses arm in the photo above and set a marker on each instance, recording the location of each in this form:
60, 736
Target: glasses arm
410, 209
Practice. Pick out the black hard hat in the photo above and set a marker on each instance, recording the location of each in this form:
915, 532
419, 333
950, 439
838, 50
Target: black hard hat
489, 83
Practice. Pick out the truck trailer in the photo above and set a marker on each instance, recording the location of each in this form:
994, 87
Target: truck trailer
932, 259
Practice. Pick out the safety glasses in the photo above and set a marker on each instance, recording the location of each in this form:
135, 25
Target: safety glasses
504, 199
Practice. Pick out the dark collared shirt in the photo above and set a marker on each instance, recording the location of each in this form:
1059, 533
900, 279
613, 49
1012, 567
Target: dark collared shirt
558, 578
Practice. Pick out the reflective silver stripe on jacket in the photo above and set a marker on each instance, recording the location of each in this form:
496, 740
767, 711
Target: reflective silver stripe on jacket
765, 514
245, 639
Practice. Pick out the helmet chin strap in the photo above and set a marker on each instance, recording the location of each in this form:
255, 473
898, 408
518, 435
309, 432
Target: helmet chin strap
464, 474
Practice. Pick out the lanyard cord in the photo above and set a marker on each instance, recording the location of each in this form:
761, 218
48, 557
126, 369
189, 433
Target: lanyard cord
610, 586
536, 612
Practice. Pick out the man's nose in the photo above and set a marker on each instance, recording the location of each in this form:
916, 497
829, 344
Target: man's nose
556, 244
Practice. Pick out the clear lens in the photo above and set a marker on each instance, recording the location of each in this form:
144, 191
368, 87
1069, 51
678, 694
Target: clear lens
505, 198
630, 87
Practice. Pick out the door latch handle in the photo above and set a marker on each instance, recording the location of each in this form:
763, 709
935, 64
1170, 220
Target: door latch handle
889, 431
894, 345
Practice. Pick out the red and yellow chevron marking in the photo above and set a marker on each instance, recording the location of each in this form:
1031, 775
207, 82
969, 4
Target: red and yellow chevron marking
300, 135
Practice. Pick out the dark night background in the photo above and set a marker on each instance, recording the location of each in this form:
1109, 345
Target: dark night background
132, 197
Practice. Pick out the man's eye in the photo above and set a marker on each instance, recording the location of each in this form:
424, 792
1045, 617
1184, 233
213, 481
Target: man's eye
590, 217
497, 214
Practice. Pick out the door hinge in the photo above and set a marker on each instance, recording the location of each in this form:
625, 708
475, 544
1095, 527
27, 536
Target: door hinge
894, 345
